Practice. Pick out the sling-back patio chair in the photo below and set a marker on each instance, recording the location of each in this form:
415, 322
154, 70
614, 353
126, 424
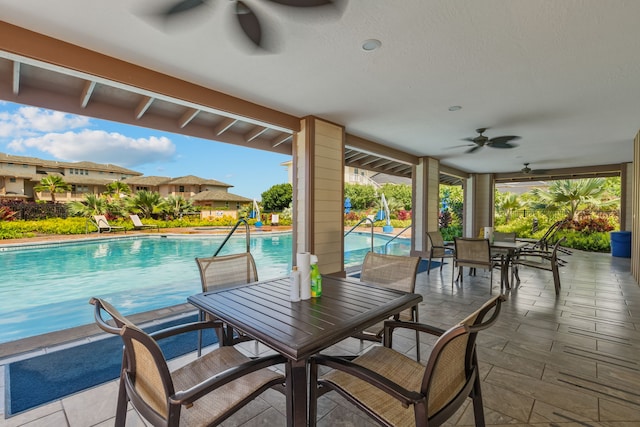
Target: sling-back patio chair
395, 390
542, 260
203, 392
225, 271
473, 253
103, 225
438, 249
395, 272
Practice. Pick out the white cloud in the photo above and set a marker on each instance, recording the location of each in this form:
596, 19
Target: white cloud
100, 147
31, 121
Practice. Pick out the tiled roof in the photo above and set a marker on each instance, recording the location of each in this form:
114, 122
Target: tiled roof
106, 167
147, 180
196, 180
219, 196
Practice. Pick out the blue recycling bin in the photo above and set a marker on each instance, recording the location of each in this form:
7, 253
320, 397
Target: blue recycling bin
621, 244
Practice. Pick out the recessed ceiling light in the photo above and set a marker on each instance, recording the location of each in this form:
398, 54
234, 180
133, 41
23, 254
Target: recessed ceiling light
371, 44
455, 108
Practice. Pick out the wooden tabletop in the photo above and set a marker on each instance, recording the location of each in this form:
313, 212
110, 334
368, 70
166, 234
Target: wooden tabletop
299, 329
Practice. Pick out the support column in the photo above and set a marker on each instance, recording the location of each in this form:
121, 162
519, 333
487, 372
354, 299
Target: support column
318, 177
635, 209
426, 204
478, 204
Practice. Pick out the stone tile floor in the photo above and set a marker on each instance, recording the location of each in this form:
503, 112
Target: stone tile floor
571, 360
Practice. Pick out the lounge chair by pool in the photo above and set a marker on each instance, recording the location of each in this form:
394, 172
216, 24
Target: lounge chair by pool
104, 226
138, 225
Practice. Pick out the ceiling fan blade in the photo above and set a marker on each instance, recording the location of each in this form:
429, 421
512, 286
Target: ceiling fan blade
183, 6
472, 149
503, 139
501, 145
303, 3
249, 23
469, 139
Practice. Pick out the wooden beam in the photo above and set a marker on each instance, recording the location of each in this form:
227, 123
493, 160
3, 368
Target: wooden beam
188, 115
57, 53
143, 106
16, 77
255, 132
87, 91
224, 125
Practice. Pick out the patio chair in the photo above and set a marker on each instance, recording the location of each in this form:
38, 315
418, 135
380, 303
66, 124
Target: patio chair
541, 260
205, 391
473, 253
395, 390
138, 225
438, 249
224, 271
103, 225
395, 272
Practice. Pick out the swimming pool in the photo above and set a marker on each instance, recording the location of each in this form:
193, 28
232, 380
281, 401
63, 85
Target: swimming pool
46, 288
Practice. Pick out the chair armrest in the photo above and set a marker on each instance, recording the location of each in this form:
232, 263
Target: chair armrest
406, 397
390, 325
187, 397
187, 327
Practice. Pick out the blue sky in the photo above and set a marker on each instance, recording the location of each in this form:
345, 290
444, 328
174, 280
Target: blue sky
53, 135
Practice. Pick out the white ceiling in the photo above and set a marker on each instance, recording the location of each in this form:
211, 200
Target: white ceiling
562, 74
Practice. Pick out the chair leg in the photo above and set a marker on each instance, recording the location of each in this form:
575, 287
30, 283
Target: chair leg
441, 263
478, 409
429, 266
121, 408
556, 278
415, 319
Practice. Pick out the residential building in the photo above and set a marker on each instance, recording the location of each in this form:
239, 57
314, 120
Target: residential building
19, 175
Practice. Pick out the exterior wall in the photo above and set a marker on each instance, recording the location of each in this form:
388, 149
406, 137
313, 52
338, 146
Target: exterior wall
213, 214
318, 192
359, 176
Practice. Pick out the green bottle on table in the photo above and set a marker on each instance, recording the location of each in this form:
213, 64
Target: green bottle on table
316, 278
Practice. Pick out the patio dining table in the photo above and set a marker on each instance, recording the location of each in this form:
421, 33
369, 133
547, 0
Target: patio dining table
298, 330
510, 249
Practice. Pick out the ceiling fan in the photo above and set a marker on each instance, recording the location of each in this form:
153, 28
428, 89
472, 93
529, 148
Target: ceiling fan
483, 141
247, 19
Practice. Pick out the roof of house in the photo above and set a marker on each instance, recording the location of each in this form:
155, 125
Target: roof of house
147, 180
196, 180
106, 167
219, 196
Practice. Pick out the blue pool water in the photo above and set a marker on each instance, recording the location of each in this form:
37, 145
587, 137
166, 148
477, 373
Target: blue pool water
47, 289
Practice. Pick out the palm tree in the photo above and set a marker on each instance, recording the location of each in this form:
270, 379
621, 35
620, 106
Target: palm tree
507, 204
144, 202
571, 193
176, 205
91, 205
117, 189
53, 184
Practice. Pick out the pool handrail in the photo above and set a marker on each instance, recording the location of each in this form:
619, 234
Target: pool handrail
356, 226
386, 245
247, 235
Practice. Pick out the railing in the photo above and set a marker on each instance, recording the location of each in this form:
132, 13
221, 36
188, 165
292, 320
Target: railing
235, 227
386, 245
356, 226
